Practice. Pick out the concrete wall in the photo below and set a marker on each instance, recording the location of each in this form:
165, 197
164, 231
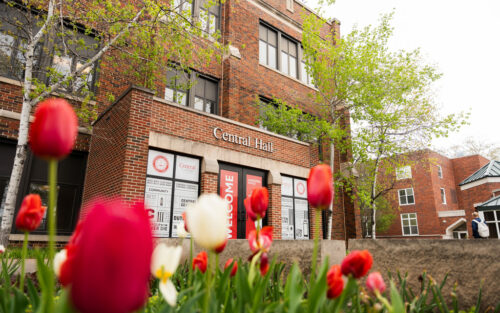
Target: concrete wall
468, 262
287, 251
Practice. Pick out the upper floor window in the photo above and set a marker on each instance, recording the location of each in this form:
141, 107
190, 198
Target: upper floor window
440, 171
268, 43
403, 172
443, 196
406, 196
62, 50
409, 224
192, 90
209, 16
288, 57
306, 77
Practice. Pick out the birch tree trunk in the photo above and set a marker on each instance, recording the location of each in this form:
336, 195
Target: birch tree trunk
373, 198
22, 137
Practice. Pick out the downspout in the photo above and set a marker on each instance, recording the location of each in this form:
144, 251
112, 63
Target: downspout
330, 210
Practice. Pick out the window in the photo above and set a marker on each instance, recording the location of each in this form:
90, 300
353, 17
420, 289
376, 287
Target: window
443, 196
184, 8
172, 183
268, 43
193, 90
409, 224
63, 49
403, 172
492, 219
177, 86
305, 76
460, 232
209, 16
406, 196
294, 208
288, 57
440, 171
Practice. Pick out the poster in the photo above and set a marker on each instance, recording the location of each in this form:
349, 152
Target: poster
300, 188
286, 186
287, 218
160, 164
158, 197
229, 191
187, 168
252, 182
185, 193
301, 219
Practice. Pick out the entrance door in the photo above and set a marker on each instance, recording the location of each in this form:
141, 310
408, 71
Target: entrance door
235, 184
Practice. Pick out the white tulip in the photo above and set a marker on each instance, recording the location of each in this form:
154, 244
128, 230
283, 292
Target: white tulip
207, 221
59, 259
181, 231
2, 249
164, 262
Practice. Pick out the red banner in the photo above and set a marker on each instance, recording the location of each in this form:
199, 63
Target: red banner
229, 192
252, 183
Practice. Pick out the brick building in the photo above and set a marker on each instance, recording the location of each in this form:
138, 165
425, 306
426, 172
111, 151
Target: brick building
436, 196
169, 146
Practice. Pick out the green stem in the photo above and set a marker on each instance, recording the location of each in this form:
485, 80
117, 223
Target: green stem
190, 266
209, 280
317, 216
25, 251
51, 217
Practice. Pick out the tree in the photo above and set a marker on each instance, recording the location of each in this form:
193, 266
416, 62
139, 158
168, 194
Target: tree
57, 47
388, 96
471, 146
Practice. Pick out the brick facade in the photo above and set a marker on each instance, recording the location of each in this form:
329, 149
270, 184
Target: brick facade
140, 119
435, 218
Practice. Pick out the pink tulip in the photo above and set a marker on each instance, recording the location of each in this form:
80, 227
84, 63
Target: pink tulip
375, 282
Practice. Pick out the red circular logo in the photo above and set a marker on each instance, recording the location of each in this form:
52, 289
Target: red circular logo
160, 164
301, 188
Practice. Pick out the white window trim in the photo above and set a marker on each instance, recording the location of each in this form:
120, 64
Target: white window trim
440, 171
443, 195
399, 197
409, 219
402, 172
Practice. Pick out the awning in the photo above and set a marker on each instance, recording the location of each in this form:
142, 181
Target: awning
492, 204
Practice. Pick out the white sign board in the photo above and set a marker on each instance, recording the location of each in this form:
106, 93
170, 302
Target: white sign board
187, 168
301, 219
158, 197
185, 193
160, 164
286, 218
300, 187
286, 186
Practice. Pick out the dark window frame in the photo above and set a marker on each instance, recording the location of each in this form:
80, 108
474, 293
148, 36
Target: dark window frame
293, 197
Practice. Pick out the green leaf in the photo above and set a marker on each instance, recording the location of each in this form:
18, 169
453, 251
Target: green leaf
396, 301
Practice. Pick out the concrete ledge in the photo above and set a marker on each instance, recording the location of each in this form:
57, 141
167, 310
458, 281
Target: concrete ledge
20, 237
468, 262
286, 251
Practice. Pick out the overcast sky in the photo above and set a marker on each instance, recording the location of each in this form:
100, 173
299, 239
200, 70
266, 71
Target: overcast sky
461, 37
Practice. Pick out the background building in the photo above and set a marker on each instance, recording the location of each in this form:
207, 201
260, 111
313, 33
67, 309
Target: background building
170, 145
436, 195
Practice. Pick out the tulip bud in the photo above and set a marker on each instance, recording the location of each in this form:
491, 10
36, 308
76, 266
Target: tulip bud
264, 264
235, 266
319, 187
335, 282
111, 268
30, 214
207, 221
259, 201
357, 263
53, 133
375, 282
201, 261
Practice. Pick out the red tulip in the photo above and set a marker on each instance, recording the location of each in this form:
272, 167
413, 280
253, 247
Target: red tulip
259, 201
235, 266
112, 258
248, 208
335, 282
65, 275
263, 242
54, 130
357, 263
201, 261
30, 214
264, 264
375, 282
319, 187
221, 248
184, 218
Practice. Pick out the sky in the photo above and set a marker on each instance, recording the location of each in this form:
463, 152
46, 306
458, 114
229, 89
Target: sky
462, 38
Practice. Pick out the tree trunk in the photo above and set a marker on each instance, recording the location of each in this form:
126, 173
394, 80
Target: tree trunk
373, 198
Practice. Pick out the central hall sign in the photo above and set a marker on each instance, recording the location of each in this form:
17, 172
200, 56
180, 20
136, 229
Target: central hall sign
247, 141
